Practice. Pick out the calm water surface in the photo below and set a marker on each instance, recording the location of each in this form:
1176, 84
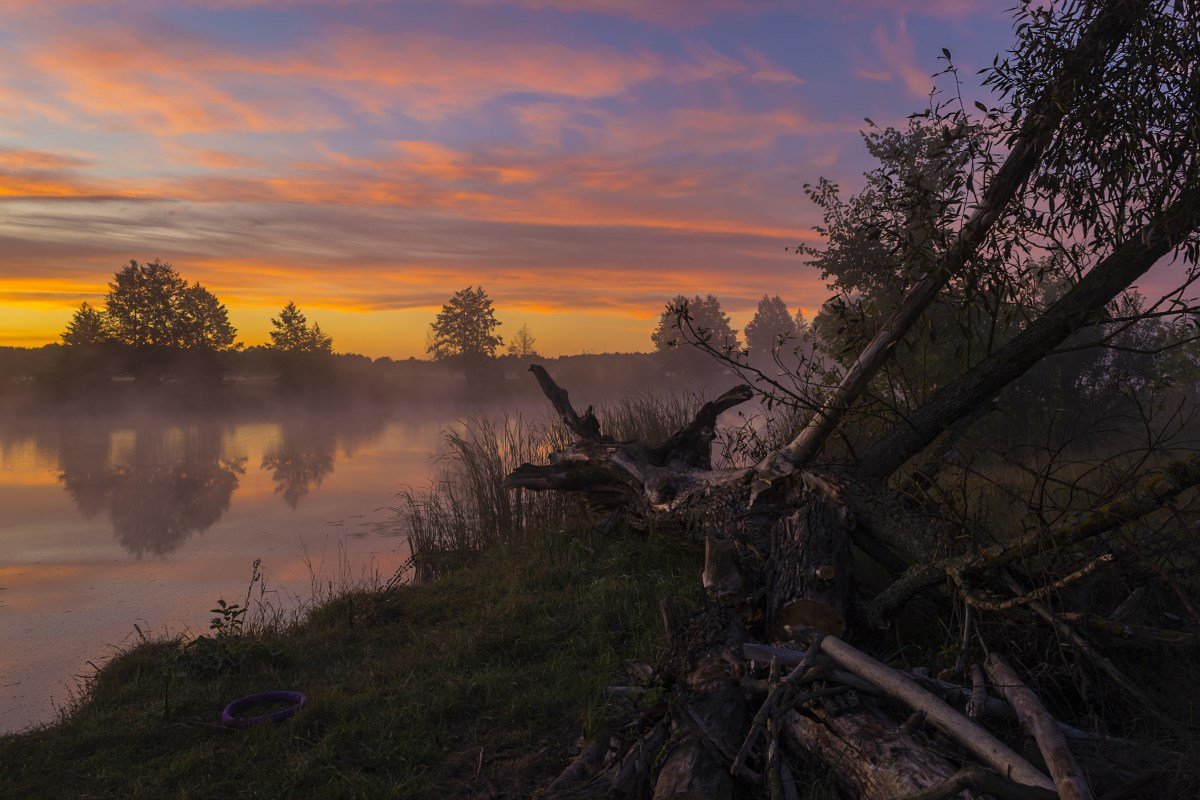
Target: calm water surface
104, 525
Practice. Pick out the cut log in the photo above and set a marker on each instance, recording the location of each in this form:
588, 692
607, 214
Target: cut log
810, 566
1036, 720
722, 580
690, 773
709, 717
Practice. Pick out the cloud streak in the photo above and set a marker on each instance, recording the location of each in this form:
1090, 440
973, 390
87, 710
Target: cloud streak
593, 157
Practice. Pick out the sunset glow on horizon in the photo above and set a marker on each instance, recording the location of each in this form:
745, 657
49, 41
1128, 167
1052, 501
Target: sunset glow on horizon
583, 161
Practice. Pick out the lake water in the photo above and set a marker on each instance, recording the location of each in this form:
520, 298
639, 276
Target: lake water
105, 525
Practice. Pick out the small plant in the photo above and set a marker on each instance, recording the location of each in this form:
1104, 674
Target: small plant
225, 649
208, 655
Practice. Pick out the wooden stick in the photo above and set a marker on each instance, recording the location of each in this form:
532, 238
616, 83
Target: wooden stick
984, 604
1036, 720
1129, 605
1129, 632
790, 658
979, 696
966, 732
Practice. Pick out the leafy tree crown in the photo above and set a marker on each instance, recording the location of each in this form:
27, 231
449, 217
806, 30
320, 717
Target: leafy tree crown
685, 320
151, 304
291, 333
87, 326
771, 326
465, 326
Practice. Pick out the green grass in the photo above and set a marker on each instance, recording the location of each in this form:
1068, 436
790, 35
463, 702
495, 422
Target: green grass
507, 657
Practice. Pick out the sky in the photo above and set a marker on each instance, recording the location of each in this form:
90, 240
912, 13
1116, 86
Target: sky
584, 161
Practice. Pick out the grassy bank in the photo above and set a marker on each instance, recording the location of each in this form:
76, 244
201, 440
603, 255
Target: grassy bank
472, 684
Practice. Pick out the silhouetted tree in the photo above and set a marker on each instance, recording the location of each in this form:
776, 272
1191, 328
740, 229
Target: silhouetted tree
465, 326
204, 321
685, 322
293, 334
522, 344
803, 327
152, 305
87, 326
771, 327
703, 315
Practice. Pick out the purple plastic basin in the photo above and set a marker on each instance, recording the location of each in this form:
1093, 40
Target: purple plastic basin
230, 716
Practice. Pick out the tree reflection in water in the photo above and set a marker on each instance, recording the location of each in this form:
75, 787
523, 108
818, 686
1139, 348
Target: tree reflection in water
173, 483
306, 450
300, 460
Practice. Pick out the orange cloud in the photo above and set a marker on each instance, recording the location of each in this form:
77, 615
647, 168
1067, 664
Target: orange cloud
898, 56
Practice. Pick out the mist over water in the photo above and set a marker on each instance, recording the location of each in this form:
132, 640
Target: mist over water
127, 504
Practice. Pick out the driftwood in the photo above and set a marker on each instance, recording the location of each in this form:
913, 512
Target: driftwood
1128, 632
1068, 778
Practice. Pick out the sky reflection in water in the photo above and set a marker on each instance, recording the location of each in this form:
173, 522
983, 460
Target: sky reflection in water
108, 524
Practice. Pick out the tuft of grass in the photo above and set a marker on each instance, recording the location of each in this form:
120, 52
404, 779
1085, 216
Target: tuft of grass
479, 680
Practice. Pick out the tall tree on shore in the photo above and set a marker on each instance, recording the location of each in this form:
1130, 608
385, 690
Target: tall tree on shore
522, 344
291, 333
771, 326
203, 322
88, 325
466, 327
685, 320
152, 305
